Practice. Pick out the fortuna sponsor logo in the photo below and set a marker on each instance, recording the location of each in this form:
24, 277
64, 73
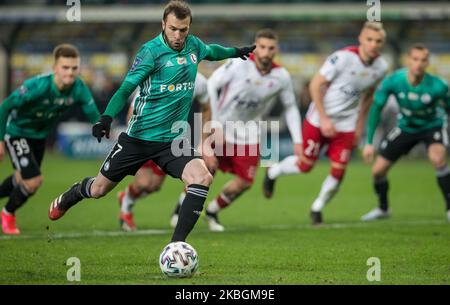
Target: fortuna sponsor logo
177, 87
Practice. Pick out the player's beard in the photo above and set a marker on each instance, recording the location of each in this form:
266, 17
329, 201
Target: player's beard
177, 47
265, 63
418, 74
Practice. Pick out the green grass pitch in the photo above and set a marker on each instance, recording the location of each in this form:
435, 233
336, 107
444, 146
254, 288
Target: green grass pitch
265, 242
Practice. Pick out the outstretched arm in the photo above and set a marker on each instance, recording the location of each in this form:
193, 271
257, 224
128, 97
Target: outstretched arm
216, 52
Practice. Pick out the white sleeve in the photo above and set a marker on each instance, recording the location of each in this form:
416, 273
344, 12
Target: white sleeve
217, 81
201, 89
291, 112
333, 65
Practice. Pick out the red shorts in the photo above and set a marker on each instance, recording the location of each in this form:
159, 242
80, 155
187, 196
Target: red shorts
243, 166
339, 147
155, 168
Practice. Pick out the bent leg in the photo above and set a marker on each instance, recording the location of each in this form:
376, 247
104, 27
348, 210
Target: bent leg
145, 182
330, 186
23, 190
380, 170
229, 193
89, 187
438, 157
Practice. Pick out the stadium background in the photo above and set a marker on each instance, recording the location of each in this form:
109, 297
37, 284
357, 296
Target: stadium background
110, 33
280, 245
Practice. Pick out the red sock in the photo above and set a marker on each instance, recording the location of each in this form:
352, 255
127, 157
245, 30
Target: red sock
134, 193
222, 201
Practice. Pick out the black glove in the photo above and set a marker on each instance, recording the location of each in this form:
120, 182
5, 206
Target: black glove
244, 52
102, 127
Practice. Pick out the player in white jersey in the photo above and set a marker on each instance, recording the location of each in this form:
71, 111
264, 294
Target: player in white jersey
150, 177
337, 116
248, 90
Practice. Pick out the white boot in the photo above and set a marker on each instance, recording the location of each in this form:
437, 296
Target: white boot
213, 222
376, 213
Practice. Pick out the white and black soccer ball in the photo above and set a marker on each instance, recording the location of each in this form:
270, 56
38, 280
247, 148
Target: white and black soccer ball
178, 259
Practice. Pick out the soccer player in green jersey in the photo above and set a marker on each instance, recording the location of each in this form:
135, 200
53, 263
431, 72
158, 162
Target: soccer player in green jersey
421, 98
26, 118
165, 69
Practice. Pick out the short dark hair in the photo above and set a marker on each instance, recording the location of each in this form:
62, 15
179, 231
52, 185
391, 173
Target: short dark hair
65, 50
418, 46
179, 8
266, 33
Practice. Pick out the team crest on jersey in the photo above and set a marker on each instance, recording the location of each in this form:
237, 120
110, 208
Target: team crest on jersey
193, 58
136, 63
426, 98
181, 60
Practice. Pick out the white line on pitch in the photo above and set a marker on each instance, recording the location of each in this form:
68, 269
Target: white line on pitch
148, 232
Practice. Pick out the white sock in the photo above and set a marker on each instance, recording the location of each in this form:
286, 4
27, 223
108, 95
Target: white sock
213, 207
127, 202
328, 190
181, 199
286, 167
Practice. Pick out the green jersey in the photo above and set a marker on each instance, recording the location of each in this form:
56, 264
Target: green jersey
420, 106
34, 108
166, 79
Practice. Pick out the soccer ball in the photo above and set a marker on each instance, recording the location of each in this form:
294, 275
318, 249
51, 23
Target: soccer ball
178, 259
